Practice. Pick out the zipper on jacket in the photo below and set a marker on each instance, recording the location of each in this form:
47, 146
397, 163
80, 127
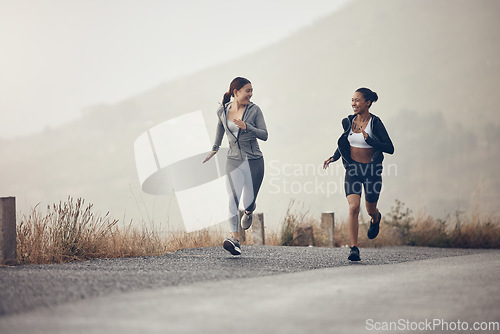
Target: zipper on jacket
226, 111
227, 125
239, 131
237, 138
346, 134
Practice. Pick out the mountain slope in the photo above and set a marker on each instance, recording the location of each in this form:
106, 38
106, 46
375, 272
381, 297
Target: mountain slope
433, 63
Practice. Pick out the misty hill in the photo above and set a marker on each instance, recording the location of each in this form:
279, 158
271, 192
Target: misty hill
433, 63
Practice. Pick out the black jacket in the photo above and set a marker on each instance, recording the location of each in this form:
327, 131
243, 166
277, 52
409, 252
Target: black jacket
379, 140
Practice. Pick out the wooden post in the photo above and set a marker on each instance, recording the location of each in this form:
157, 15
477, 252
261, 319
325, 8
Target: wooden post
327, 226
8, 242
258, 233
241, 234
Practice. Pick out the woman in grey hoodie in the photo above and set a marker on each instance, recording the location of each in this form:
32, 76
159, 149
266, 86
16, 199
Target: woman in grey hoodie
243, 123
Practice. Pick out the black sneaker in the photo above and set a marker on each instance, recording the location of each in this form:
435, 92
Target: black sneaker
354, 255
374, 227
232, 245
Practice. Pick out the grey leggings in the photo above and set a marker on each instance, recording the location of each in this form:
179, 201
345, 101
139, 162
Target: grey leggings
244, 177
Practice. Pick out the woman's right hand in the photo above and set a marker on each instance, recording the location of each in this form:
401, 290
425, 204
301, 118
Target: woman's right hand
327, 162
209, 156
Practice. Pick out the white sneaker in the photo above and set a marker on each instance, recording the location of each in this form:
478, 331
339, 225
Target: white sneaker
246, 220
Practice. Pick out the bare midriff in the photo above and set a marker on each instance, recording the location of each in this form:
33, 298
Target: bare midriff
363, 155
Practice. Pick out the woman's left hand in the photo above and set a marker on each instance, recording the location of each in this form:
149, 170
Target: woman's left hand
365, 134
327, 162
239, 123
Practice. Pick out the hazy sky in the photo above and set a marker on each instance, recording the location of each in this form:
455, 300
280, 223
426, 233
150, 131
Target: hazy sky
58, 57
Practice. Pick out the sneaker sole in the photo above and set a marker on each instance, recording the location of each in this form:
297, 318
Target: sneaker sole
354, 258
245, 227
244, 223
231, 248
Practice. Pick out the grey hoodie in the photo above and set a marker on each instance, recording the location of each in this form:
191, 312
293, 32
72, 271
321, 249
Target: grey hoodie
245, 144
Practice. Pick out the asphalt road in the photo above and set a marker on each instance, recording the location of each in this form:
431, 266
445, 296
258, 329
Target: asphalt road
268, 289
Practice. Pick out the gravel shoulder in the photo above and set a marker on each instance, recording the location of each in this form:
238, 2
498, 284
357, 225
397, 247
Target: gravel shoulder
30, 287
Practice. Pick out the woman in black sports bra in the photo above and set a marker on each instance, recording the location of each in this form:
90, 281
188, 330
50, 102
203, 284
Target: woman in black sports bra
361, 147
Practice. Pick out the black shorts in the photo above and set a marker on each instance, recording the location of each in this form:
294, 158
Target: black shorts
368, 176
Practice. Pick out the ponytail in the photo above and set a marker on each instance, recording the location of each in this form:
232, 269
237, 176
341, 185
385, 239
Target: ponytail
226, 98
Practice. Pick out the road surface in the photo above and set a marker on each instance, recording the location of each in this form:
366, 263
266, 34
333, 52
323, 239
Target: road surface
267, 290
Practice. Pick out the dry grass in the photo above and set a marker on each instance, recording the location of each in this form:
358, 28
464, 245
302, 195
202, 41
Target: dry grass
295, 218
203, 238
399, 227
70, 231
